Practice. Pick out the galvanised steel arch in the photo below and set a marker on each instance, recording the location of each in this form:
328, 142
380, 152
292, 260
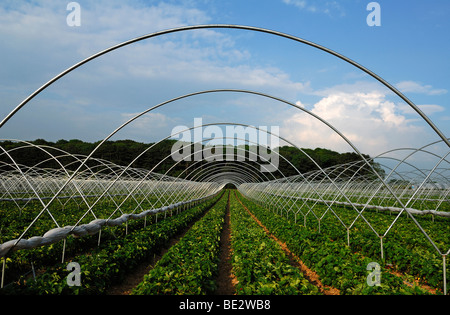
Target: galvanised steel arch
227, 26
191, 95
279, 202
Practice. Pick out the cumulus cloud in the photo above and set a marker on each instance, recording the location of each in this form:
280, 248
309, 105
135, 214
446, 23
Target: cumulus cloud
416, 87
331, 8
428, 110
368, 120
298, 3
130, 79
142, 75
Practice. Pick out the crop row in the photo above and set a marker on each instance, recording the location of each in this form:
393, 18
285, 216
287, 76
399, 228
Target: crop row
13, 223
16, 216
112, 260
190, 266
425, 200
405, 246
335, 263
259, 263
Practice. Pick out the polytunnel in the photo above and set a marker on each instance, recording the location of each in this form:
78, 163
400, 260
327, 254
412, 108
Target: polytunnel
73, 195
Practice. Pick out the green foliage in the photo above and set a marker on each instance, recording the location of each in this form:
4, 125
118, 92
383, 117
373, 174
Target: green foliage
107, 264
189, 267
336, 264
123, 152
259, 263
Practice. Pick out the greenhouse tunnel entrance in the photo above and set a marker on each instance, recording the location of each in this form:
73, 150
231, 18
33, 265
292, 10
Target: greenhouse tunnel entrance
230, 186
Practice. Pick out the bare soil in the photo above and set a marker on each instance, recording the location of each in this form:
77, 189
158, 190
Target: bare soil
225, 280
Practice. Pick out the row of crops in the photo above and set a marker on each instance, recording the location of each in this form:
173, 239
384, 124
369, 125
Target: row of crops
105, 264
260, 263
345, 267
403, 226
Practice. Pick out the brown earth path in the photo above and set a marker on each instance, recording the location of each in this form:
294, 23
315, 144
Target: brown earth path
225, 280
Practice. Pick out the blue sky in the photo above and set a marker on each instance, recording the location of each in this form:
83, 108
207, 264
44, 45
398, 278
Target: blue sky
410, 50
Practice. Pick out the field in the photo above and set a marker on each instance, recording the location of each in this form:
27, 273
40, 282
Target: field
227, 244
217, 160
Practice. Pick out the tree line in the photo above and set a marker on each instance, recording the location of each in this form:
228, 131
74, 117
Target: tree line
124, 152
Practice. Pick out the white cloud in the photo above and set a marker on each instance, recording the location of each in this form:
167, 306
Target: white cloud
148, 127
103, 24
298, 3
148, 120
415, 87
362, 86
369, 120
426, 109
331, 8
129, 79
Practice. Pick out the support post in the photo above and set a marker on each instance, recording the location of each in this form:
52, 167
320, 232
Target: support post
3, 271
64, 250
348, 237
34, 271
381, 244
444, 269
99, 237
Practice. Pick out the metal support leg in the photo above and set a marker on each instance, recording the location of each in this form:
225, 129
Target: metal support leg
3, 271
444, 269
64, 251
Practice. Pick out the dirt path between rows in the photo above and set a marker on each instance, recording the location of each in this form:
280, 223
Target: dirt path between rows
225, 280
295, 260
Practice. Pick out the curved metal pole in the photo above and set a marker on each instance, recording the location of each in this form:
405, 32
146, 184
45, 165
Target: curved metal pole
228, 26
200, 93
195, 177
192, 154
214, 170
225, 177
